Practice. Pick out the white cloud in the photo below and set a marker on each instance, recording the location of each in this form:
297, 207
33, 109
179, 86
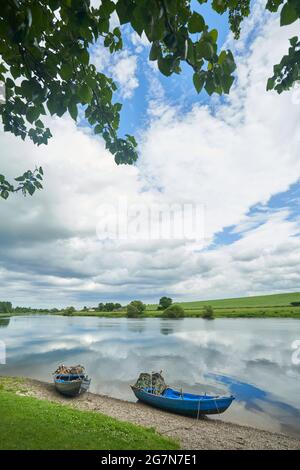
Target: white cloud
124, 72
122, 67
230, 161
240, 156
139, 42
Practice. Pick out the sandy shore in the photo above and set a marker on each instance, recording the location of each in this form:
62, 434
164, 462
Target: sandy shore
205, 433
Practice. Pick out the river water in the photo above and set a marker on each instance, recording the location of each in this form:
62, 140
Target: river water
249, 358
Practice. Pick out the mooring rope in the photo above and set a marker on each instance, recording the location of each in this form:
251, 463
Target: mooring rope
187, 428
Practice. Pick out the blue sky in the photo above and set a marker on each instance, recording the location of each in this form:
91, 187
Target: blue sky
178, 89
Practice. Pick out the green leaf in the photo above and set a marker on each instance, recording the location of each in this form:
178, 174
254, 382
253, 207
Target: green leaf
214, 35
20, 178
38, 185
222, 57
98, 129
155, 51
32, 114
9, 83
270, 84
196, 23
4, 194
165, 65
228, 65
219, 6
85, 93
73, 110
199, 80
210, 86
294, 41
39, 124
84, 57
226, 82
204, 49
66, 71
29, 187
288, 14
124, 11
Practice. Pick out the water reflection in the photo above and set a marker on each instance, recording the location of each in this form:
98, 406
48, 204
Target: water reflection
136, 326
4, 322
166, 327
256, 399
249, 358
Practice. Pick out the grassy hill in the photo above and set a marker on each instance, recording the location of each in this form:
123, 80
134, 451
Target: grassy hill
274, 300
275, 305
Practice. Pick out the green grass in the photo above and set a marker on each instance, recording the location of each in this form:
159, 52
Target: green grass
274, 300
246, 312
262, 306
29, 423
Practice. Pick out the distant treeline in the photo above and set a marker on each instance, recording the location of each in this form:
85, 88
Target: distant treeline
6, 307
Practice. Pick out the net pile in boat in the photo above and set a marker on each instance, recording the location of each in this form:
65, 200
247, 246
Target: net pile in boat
154, 381
62, 369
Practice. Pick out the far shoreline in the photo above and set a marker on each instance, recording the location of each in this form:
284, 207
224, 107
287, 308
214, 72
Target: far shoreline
282, 305
266, 314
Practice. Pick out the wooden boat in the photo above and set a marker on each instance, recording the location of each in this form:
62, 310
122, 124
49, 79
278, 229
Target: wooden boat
71, 381
71, 384
183, 403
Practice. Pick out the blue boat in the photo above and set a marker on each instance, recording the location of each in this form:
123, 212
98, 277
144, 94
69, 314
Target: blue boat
71, 384
183, 403
71, 381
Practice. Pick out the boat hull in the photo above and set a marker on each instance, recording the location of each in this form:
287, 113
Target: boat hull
185, 404
71, 387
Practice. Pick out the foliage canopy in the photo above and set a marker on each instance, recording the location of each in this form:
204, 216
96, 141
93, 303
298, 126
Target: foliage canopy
164, 302
135, 308
174, 311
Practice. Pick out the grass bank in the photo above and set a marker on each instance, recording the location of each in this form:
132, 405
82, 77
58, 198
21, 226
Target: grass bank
262, 306
30, 423
20, 428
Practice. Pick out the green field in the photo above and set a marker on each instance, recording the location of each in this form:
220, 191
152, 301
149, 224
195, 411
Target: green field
29, 423
275, 305
274, 300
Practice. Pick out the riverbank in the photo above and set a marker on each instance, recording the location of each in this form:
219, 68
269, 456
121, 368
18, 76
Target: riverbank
195, 312
206, 433
32, 419
285, 305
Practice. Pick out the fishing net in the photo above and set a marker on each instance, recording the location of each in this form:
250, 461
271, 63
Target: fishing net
62, 369
154, 381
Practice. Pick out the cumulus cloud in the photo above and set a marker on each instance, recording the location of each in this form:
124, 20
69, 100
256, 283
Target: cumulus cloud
122, 67
139, 42
124, 72
230, 160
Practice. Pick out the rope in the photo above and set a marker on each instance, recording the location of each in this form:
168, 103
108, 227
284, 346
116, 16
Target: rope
190, 427
198, 412
217, 407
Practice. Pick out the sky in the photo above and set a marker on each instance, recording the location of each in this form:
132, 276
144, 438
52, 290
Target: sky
236, 158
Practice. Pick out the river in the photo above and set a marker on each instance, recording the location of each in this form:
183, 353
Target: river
250, 358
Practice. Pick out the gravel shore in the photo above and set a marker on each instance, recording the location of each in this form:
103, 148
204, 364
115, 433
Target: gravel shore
205, 433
